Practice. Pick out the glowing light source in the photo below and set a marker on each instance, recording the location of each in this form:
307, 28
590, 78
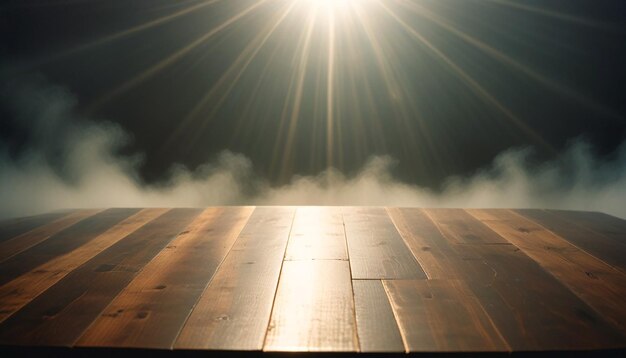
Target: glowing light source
332, 65
330, 5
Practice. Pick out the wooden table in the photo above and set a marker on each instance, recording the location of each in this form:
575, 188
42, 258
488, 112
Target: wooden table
333, 279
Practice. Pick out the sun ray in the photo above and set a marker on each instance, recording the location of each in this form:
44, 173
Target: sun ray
354, 92
336, 80
503, 58
329, 89
403, 108
557, 15
172, 58
230, 78
243, 129
115, 36
471, 82
289, 119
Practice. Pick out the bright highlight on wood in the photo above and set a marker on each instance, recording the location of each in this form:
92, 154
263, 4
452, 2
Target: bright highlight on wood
314, 279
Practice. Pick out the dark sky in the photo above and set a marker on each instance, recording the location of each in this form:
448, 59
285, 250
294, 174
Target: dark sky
441, 86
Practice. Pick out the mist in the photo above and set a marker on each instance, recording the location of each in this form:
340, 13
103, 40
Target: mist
66, 161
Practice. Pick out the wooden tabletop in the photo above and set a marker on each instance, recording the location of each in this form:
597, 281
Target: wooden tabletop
335, 279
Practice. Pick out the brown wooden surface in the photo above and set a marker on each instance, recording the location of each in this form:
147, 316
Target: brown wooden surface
460, 227
314, 309
17, 244
17, 293
442, 315
594, 233
515, 291
437, 257
62, 313
601, 286
601, 223
61, 243
317, 233
315, 279
377, 327
234, 310
375, 248
11, 228
152, 309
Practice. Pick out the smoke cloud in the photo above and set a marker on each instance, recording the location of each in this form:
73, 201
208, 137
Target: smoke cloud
72, 162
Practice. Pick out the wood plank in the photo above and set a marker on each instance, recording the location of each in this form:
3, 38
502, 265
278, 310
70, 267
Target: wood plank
375, 247
61, 243
438, 258
152, 309
17, 293
531, 309
242, 292
599, 285
376, 325
440, 253
536, 290
59, 316
318, 234
459, 226
13, 227
442, 315
574, 228
31, 238
604, 224
314, 308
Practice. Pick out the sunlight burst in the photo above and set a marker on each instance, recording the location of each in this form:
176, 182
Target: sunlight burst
331, 5
342, 76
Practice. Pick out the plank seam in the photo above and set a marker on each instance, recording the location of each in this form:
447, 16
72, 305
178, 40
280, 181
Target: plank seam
549, 272
564, 239
356, 328
217, 268
581, 297
480, 304
68, 254
77, 339
280, 274
66, 217
407, 244
395, 317
584, 228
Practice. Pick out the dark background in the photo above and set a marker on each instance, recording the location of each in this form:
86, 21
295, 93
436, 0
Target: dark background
440, 127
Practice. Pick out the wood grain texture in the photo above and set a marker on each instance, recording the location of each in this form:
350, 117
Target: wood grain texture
513, 289
234, 310
377, 327
281, 278
314, 308
318, 233
460, 227
609, 226
11, 228
17, 293
375, 248
31, 238
522, 294
599, 285
61, 243
59, 316
439, 258
442, 315
152, 309
600, 235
